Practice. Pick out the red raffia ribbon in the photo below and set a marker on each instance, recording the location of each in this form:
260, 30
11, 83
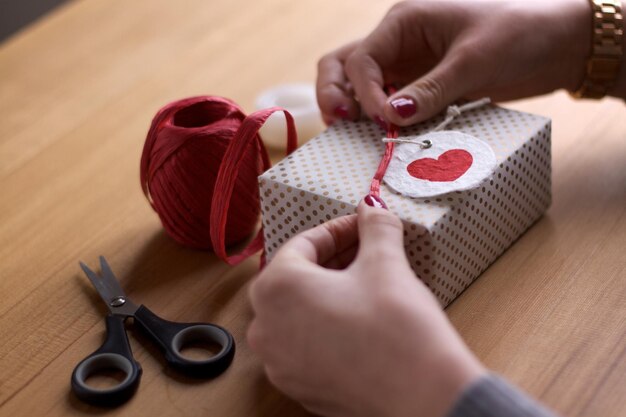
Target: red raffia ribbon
392, 133
225, 183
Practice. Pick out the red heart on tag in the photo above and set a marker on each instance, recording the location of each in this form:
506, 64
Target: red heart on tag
448, 167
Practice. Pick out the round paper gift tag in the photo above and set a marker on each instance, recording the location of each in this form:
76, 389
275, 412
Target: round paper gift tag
454, 162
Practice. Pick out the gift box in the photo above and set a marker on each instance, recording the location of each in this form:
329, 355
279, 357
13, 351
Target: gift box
449, 239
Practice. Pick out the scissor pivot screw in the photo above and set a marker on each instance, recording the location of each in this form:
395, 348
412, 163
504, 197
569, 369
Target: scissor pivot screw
118, 302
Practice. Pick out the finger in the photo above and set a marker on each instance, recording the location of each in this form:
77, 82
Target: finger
335, 96
367, 79
365, 66
381, 234
343, 259
448, 81
322, 243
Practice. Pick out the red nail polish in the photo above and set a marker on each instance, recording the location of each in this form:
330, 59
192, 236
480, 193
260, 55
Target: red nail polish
380, 122
404, 106
375, 201
342, 112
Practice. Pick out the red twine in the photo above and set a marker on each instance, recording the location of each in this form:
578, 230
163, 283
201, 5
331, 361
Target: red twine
199, 170
392, 133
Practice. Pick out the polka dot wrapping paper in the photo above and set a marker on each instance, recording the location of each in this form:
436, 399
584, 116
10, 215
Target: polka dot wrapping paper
449, 239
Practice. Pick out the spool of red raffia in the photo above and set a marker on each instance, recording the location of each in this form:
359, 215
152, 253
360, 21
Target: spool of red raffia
199, 171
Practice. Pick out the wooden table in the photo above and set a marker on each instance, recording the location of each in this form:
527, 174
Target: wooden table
78, 91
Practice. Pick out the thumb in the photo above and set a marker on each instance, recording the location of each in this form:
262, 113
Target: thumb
380, 231
430, 94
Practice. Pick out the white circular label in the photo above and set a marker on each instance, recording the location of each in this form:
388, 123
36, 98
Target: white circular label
454, 162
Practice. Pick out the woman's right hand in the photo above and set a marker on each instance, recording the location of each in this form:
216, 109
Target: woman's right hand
440, 51
343, 325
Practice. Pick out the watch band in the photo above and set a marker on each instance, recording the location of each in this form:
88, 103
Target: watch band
607, 49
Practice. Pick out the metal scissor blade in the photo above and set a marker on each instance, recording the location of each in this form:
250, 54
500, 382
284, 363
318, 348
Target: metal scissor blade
109, 277
109, 289
98, 283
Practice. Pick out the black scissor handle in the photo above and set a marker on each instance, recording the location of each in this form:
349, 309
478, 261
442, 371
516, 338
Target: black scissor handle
115, 354
171, 337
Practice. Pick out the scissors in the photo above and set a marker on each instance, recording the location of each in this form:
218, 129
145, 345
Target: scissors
115, 352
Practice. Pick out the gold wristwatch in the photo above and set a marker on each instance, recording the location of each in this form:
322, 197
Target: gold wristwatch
607, 49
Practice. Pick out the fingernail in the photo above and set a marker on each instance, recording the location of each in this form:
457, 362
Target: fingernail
342, 112
404, 106
380, 122
375, 201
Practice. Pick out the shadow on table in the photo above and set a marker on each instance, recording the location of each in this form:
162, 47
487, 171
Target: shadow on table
163, 269
78, 405
271, 402
163, 265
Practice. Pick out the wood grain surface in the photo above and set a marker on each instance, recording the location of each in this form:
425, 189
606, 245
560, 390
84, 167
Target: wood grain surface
77, 92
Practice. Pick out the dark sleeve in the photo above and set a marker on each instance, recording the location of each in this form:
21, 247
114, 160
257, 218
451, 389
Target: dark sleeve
492, 396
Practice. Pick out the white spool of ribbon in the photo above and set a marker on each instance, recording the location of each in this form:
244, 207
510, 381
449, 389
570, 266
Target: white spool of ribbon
299, 99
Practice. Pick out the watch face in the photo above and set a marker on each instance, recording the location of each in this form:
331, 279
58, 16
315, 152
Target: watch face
453, 161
